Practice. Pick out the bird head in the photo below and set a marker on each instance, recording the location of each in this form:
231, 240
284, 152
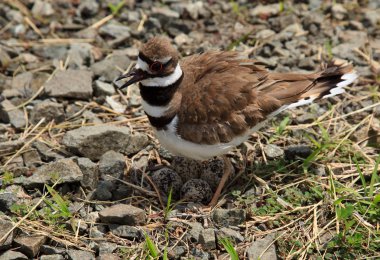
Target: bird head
157, 64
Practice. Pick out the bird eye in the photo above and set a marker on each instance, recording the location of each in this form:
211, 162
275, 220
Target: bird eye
156, 66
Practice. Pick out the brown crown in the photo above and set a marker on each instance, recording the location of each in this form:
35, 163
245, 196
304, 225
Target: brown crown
159, 47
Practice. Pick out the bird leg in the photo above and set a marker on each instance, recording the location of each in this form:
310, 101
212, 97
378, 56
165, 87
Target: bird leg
226, 174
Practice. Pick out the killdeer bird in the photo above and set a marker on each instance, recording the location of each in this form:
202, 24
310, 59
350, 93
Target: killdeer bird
206, 104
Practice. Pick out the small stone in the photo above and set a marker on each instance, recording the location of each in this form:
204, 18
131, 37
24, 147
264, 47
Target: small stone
5, 226
13, 255
137, 143
46, 152
131, 52
49, 110
182, 39
195, 231
90, 173
280, 22
77, 225
80, 55
196, 190
115, 30
92, 217
338, 11
228, 217
207, 239
112, 163
7, 199
88, 8
307, 64
64, 170
343, 50
18, 30
10, 114
177, 252
104, 190
371, 18
320, 171
199, 254
70, 84
152, 24
297, 151
165, 12
52, 250
87, 33
129, 232
94, 246
107, 247
79, 254
108, 256
93, 141
53, 52
166, 179
305, 118
96, 232
5, 59
256, 249
110, 68
42, 8
131, 16
195, 9
30, 245
31, 158
265, 11
230, 233
28, 83
10, 146
265, 34
104, 89
91, 117
52, 257
122, 191
271, 62
353, 36
123, 214
273, 151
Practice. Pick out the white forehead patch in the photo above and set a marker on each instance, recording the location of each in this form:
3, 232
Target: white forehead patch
164, 60
142, 65
145, 67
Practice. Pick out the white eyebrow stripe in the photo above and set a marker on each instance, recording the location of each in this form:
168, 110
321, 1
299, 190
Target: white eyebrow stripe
165, 59
142, 65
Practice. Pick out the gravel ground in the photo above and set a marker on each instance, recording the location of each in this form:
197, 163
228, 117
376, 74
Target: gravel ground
83, 177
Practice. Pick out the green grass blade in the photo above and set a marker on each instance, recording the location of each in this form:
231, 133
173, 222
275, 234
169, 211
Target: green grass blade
227, 244
153, 251
62, 205
362, 179
374, 177
116, 8
280, 129
311, 139
168, 204
311, 157
281, 6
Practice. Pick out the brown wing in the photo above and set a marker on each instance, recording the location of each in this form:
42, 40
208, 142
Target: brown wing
219, 101
224, 96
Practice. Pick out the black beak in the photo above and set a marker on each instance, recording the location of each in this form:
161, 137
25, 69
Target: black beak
136, 74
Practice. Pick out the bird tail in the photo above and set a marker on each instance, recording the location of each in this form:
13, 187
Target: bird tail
294, 90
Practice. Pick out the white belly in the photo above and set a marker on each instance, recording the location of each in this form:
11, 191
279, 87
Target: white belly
175, 144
